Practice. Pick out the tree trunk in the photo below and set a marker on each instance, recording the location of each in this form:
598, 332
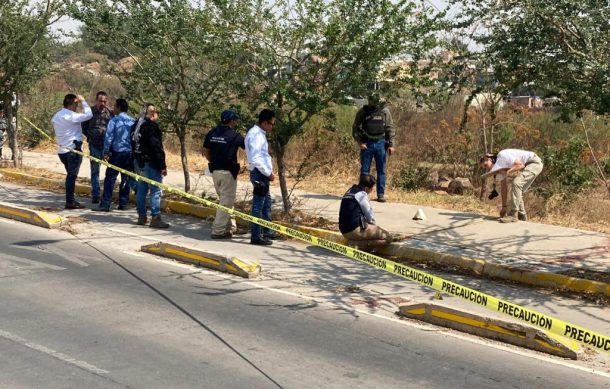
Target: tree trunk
11, 131
184, 159
281, 172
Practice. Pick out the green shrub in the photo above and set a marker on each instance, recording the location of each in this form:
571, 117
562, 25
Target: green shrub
565, 173
412, 178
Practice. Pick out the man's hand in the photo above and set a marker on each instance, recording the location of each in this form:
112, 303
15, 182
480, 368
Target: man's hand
362, 146
164, 172
390, 150
271, 177
106, 157
80, 98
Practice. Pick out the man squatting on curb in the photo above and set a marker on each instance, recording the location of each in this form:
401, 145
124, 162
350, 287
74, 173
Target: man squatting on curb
68, 133
374, 132
356, 218
95, 131
522, 167
220, 149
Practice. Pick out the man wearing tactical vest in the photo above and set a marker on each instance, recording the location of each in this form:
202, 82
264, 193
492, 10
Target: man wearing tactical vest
373, 130
356, 219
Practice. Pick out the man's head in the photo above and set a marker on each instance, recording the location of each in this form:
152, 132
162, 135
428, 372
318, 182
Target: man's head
487, 161
151, 112
229, 118
367, 182
101, 100
374, 99
120, 105
70, 101
266, 119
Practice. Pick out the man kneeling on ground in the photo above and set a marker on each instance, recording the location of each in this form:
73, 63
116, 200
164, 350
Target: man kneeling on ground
356, 219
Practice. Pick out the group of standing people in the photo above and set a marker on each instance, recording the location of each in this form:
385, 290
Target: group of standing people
116, 137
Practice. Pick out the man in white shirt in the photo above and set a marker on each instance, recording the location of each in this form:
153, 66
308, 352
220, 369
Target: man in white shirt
520, 165
261, 173
68, 133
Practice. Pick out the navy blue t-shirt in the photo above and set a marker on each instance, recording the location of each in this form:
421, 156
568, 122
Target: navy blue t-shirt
223, 143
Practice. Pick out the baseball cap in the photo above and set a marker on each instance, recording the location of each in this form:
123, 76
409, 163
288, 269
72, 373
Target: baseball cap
227, 115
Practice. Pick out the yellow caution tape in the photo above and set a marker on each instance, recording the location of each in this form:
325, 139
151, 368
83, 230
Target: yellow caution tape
529, 316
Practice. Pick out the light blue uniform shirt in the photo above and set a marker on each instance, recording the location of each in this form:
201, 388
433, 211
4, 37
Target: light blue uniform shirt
118, 134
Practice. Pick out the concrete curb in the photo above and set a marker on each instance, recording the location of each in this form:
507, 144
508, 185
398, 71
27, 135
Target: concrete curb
508, 332
232, 265
480, 266
37, 218
477, 265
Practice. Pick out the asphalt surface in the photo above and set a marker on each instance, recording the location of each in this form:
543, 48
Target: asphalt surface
87, 314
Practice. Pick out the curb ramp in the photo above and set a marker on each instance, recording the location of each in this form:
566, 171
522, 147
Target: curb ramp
504, 331
25, 215
232, 265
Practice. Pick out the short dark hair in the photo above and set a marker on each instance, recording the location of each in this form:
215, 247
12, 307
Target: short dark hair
122, 105
101, 93
367, 181
266, 115
493, 158
69, 99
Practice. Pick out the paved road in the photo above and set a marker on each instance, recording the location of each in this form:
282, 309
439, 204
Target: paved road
73, 314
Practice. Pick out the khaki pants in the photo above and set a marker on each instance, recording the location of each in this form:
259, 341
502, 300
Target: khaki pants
226, 188
521, 184
373, 236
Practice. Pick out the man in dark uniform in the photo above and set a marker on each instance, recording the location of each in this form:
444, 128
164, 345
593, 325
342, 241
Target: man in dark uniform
220, 149
95, 131
373, 130
356, 219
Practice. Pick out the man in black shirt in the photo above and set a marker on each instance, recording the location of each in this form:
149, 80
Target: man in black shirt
220, 149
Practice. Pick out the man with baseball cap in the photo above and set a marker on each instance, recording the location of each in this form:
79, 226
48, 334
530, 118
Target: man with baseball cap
220, 149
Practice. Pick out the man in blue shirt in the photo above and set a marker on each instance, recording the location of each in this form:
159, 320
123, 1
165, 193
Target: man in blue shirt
117, 151
220, 149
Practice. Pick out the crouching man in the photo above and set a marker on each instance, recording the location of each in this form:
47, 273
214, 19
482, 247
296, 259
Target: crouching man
356, 219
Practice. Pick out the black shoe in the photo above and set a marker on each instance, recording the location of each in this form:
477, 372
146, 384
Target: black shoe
74, 205
123, 208
156, 222
381, 199
272, 236
95, 200
226, 235
261, 242
102, 209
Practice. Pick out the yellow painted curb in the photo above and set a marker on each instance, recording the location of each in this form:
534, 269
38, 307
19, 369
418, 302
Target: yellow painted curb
508, 332
238, 267
480, 266
37, 218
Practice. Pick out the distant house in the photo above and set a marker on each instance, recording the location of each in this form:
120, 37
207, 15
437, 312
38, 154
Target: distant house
534, 102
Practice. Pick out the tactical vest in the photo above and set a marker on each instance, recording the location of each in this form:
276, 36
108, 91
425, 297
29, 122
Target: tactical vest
350, 213
373, 124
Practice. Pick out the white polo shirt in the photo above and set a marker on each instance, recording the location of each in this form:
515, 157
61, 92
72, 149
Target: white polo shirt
67, 125
257, 151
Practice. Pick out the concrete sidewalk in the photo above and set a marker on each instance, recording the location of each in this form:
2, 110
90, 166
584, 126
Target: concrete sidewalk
515, 247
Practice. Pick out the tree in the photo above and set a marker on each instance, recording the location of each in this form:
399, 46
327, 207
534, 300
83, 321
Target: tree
310, 54
182, 56
24, 52
559, 47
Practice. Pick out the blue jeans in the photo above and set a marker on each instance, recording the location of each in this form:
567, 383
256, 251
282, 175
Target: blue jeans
122, 160
155, 192
374, 149
261, 206
72, 163
95, 171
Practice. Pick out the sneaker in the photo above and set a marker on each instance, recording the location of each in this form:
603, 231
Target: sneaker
522, 217
508, 219
95, 200
156, 222
74, 205
272, 236
226, 235
142, 219
261, 242
381, 199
